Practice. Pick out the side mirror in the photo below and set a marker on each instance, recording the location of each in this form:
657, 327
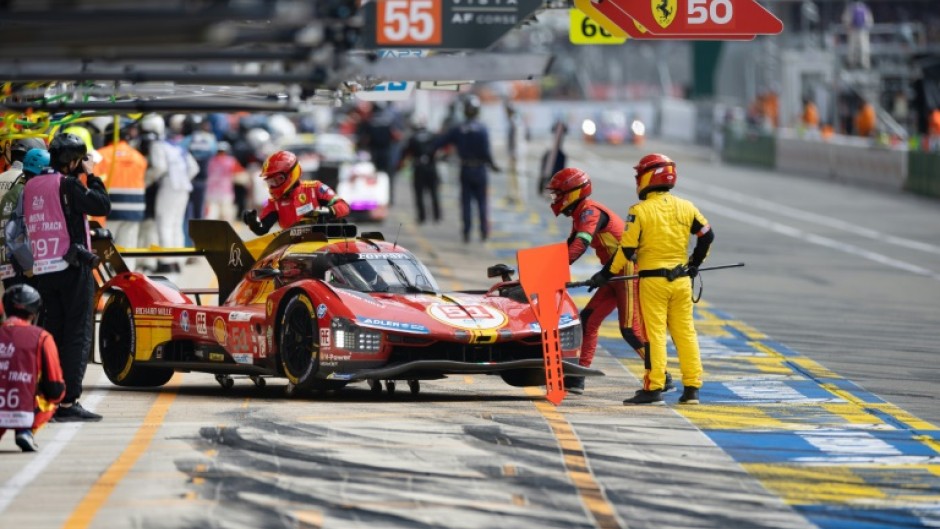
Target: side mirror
502, 271
260, 274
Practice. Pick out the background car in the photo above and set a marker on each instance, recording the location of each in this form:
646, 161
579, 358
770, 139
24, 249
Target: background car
614, 128
332, 159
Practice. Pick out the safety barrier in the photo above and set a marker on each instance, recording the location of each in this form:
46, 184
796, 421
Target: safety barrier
749, 149
923, 176
852, 160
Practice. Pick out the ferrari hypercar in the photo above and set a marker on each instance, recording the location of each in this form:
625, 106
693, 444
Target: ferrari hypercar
322, 306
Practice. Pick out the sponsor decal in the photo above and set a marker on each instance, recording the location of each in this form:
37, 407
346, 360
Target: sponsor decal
321, 310
303, 210
381, 255
414, 328
243, 358
586, 214
324, 337
630, 218
153, 311
470, 317
218, 328
216, 357
201, 324
7, 350
239, 316
269, 307
337, 357
269, 338
302, 198
184, 321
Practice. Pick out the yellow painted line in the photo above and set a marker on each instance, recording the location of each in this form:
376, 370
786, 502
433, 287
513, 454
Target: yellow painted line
308, 519
509, 470
814, 485
468, 380
95, 499
592, 495
717, 417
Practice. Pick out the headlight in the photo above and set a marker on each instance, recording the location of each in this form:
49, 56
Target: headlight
570, 337
347, 335
588, 127
638, 128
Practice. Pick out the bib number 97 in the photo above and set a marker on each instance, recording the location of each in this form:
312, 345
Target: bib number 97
710, 11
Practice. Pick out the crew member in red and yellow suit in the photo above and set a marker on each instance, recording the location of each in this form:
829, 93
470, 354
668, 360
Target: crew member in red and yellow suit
30, 375
657, 232
292, 200
596, 226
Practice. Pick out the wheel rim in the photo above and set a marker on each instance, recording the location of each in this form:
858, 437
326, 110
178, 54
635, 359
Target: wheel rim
116, 340
297, 341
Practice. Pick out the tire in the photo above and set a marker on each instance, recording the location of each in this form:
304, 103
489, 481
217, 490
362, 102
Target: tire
116, 339
299, 342
524, 377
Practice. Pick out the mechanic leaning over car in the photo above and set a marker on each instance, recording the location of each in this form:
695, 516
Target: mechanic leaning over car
473, 147
30, 378
594, 225
657, 232
292, 200
55, 206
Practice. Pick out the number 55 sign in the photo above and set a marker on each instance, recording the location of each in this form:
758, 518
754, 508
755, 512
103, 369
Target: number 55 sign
408, 22
698, 17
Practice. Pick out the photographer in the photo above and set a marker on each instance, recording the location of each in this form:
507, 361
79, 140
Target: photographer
55, 206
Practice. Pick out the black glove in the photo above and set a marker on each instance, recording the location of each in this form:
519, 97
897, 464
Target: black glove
251, 219
692, 270
599, 279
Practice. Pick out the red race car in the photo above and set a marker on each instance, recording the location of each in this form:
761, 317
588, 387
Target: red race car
321, 306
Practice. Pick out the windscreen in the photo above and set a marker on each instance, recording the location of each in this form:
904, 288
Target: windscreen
380, 272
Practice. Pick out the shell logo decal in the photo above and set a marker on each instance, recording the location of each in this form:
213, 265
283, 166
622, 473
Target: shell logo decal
218, 328
469, 317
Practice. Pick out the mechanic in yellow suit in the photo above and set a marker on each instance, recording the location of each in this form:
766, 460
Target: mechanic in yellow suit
657, 231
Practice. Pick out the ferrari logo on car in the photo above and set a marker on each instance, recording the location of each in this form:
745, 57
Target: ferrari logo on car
664, 11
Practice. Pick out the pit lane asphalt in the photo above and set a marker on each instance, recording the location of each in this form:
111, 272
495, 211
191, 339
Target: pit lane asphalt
467, 452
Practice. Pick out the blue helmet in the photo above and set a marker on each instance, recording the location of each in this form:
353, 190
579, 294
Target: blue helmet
35, 161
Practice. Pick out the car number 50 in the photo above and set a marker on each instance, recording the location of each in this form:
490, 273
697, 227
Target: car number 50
409, 22
714, 11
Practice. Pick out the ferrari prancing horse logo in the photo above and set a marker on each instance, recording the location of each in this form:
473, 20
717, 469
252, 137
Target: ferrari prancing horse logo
664, 11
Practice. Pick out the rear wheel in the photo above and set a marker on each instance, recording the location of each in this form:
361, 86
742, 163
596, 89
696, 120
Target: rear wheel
298, 342
116, 342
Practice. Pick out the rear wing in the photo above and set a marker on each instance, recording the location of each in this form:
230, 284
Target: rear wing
215, 240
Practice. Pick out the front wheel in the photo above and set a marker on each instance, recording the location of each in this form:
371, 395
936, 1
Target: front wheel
298, 342
116, 341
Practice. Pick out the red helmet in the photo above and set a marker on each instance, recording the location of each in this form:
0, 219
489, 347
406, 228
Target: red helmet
280, 171
655, 171
567, 188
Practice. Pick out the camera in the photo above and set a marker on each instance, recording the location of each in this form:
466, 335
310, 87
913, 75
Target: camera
78, 255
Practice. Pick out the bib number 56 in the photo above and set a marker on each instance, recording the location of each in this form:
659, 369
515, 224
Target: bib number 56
714, 11
11, 400
409, 22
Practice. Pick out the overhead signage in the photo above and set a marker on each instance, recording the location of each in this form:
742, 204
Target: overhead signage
391, 90
442, 24
614, 11
587, 7
583, 30
697, 17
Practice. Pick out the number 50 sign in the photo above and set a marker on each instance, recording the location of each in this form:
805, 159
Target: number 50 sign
408, 22
695, 17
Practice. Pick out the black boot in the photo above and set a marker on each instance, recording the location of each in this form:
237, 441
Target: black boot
643, 396
574, 384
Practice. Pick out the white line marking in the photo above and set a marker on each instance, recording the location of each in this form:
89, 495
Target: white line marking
813, 238
799, 214
48, 451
